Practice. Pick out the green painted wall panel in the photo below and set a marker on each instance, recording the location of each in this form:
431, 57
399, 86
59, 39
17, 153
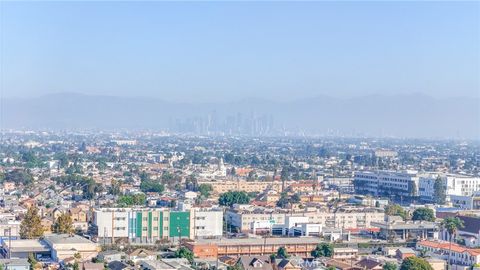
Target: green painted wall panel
160, 224
179, 224
150, 224
139, 224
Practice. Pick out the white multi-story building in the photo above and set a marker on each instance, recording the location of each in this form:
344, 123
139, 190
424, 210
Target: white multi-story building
256, 220
207, 223
404, 183
147, 225
458, 185
112, 222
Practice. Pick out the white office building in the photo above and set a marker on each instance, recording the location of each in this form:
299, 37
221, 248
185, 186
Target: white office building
378, 183
455, 185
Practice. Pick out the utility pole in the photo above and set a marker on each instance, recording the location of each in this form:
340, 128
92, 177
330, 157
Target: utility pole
9, 242
179, 235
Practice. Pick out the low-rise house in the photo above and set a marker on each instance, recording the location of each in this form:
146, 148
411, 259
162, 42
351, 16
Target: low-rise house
142, 254
369, 263
111, 255
285, 264
93, 266
437, 264
403, 253
118, 265
255, 263
345, 253
78, 214
164, 265
81, 226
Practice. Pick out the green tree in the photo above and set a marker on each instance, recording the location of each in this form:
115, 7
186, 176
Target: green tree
252, 175
395, 210
32, 261
282, 253
63, 224
390, 266
19, 176
185, 253
423, 213
285, 200
439, 193
115, 187
295, 198
232, 197
322, 250
451, 225
273, 258
31, 159
235, 267
331, 268
31, 226
151, 186
91, 188
415, 263
205, 190
135, 199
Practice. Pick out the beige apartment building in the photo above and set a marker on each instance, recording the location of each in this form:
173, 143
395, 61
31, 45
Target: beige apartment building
350, 218
242, 185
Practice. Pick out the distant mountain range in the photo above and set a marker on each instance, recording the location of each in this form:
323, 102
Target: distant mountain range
375, 115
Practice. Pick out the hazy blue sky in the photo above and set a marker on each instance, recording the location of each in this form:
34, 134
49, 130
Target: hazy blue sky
216, 51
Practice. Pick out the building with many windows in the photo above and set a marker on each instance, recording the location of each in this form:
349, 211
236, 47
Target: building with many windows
220, 187
459, 255
387, 183
455, 185
148, 225
258, 219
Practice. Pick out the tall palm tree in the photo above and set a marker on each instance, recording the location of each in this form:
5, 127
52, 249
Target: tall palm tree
451, 224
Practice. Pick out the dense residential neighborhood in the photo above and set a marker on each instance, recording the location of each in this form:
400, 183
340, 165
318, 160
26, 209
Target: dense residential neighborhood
158, 201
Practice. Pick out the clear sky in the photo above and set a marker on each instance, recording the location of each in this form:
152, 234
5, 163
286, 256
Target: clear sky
219, 51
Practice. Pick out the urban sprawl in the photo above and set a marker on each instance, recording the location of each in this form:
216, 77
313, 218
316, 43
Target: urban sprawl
156, 201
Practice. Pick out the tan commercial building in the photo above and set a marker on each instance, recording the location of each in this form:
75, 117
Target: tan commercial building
242, 185
66, 246
208, 248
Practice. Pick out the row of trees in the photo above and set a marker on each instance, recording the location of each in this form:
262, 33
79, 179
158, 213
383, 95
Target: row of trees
31, 226
421, 213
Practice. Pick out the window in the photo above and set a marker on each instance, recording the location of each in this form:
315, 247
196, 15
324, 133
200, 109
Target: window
145, 218
155, 218
145, 229
165, 228
155, 228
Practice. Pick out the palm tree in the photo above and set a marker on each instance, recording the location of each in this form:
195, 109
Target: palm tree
451, 224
